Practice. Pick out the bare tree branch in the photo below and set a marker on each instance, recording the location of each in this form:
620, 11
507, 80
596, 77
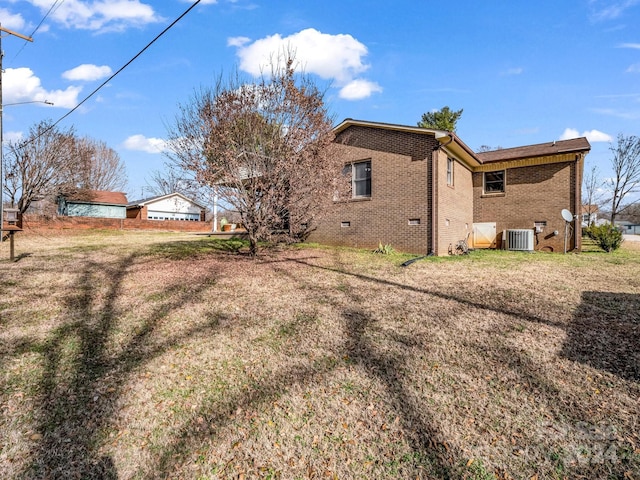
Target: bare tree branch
592, 196
266, 146
626, 167
53, 162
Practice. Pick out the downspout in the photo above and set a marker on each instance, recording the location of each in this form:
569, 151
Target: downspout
434, 192
577, 222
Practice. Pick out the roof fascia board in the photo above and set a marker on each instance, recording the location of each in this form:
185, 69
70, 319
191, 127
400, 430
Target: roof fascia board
385, 126
527, 162
449, 139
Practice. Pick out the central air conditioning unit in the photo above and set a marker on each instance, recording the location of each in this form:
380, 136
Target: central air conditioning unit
520, 239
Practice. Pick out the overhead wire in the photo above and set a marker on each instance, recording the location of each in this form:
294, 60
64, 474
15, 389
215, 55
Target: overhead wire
103, 84
39, 25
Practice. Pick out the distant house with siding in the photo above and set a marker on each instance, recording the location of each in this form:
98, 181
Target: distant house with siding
173, 206
628, 228
93, 203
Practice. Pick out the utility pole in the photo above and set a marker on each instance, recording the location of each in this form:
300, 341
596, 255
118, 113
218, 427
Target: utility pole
29, 39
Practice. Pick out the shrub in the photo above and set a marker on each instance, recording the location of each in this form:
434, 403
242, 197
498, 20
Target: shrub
608, 237
386, 249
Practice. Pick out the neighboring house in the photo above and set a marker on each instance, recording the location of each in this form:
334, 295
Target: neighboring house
93, 203
628, 228
173, 206
589, 215
422, 190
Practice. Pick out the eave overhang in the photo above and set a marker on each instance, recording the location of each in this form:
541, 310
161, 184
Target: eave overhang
532, 161
449, 141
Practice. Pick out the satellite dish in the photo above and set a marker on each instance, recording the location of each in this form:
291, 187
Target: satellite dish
567, 215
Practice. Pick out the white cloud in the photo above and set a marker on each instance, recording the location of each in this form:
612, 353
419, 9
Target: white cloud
617, 113
635, 68
101, 16
12, 137
87, 72
635, 46
13, 21
592, 135
597, 136
359, 89
609, 10
514, 71
21, 85
237, 41
141, 143
339, 58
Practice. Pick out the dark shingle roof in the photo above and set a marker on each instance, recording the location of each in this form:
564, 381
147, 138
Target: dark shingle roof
540, 150
99, 196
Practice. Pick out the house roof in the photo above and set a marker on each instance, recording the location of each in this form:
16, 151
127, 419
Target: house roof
577, 145
146, 201
590, 209
98, 197
447, 139
527, 155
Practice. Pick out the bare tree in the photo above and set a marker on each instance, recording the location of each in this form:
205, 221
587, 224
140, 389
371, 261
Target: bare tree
172, 179
52, 162
487, 148
626, 172
266, 145
591, 194
40, 167
633, 213
99, 166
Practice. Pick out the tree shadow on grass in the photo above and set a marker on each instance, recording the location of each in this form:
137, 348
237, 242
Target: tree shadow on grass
607, 342
605, 333
258, 394
178, 250
83, 375
389, 369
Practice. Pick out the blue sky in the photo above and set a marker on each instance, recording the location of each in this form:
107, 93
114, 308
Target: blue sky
524, 72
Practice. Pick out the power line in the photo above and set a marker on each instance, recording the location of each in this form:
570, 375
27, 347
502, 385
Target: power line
39, 25
53, 125
47, 15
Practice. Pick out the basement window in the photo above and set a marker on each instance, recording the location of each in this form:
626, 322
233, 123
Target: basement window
414, 221
345, 224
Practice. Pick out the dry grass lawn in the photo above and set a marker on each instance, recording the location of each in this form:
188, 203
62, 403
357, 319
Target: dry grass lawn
149, 356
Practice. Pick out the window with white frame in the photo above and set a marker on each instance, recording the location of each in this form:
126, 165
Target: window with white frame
450, 164
494, 182
360, 173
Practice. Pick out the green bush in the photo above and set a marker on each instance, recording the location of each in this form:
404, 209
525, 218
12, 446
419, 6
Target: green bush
608, 237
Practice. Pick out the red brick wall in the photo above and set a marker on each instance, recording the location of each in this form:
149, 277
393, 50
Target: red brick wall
532, 193
400, 191
38, 222
134, 212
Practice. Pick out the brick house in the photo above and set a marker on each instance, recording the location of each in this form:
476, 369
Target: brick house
422, 190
